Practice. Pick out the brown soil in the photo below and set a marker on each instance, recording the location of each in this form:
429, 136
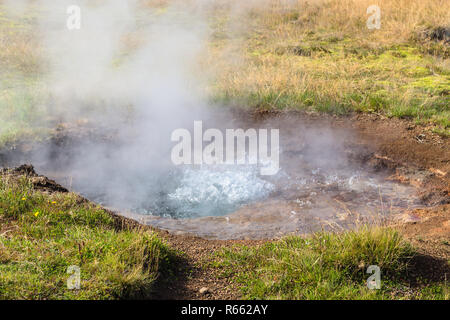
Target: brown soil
195, 274
410, 147
415, 155
40, 183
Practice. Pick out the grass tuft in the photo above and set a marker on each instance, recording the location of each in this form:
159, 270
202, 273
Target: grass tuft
324, 266
41, 235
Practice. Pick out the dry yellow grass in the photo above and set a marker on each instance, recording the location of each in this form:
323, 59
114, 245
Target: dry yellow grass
399, 17
20, 47
321, 54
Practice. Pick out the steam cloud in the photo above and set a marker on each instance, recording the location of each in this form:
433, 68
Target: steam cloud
133, 73
132, 69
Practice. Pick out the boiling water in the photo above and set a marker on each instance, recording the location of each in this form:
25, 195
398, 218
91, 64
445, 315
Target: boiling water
206, 191
215, 191
237, 203
322, 183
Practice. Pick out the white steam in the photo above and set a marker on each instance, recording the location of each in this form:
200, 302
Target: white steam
123, 57
135, 70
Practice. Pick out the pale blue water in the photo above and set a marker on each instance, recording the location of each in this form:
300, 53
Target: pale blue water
217, 191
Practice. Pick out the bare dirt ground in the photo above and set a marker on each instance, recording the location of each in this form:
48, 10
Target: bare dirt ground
413, 153
408, 147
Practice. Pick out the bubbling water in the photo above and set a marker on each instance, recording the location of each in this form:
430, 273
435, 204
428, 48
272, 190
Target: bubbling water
188, 191
215, 191
326, 181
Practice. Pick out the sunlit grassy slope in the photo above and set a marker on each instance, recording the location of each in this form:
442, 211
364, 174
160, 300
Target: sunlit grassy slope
316, 55
42, 235
320, 55
328, 266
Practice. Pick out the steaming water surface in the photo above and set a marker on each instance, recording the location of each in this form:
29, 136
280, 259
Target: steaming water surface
192, 192
233, 204
216, 191
321, 184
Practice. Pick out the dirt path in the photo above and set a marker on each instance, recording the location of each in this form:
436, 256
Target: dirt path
194, 273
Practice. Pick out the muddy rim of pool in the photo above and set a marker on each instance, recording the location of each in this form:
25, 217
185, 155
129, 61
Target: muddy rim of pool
395, 149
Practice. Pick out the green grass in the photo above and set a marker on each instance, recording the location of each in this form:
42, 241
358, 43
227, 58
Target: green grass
42, 235
326, 266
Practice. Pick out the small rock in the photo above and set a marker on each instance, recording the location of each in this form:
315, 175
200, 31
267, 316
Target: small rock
420, 138
204, 290
407, 218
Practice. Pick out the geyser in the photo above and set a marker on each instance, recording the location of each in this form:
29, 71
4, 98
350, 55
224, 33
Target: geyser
118, 88
324, 182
